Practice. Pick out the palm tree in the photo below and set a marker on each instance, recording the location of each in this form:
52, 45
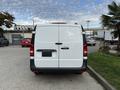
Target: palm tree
112, 20
6, 20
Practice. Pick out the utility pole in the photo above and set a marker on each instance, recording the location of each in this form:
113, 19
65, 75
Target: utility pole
88, 23
23, 30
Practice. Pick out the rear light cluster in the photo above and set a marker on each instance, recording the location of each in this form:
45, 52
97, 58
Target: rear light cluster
85, 50
32, 50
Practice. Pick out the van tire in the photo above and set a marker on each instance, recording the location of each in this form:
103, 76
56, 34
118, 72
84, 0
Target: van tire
94, 44
23, 46
80, 72
37, 73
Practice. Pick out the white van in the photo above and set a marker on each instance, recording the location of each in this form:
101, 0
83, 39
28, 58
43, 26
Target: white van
58, 47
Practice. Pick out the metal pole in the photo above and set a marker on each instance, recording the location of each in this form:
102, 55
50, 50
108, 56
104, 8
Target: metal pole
88, 21
23, 31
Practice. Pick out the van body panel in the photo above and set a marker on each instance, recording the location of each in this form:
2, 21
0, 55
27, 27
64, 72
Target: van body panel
72, 55
69, 54
45, 39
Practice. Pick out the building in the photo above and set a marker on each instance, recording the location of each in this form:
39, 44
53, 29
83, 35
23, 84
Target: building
20, 31
100, 33
94, 32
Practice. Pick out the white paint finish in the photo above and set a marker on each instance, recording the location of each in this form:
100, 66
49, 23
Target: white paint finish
108, 35
45, 38
47, 34
100, 33
71, 37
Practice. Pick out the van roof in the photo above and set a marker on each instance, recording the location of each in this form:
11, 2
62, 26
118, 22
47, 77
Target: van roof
69, 25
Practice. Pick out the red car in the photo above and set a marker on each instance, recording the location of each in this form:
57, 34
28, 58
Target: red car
26, 42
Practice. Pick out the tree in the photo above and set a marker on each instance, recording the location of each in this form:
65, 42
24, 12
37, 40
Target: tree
111, 20
6, 20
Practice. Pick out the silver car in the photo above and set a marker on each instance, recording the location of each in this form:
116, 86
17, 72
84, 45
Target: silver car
91, 41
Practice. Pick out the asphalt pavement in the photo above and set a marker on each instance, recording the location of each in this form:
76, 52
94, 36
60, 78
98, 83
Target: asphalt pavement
15, 74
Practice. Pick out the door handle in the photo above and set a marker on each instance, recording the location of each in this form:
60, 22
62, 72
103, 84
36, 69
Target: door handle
65, 48
58, 43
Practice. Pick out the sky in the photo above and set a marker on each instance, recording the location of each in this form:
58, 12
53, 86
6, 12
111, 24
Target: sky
43, 11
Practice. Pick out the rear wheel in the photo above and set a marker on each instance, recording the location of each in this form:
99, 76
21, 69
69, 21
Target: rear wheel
7, 44
79, 72
37, 73
94, 44
23, 46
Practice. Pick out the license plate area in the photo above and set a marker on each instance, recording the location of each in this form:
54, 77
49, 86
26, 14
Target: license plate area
46, 52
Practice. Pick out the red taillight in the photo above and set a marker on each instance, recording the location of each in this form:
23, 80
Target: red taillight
85, 49
32, 50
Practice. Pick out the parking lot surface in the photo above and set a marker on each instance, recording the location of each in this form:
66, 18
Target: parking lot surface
16, 75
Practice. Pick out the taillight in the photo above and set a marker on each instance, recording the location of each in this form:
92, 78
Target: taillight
85, 50
32, 50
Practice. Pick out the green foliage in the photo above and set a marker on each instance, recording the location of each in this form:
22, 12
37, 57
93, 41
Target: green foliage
6, 20
113, 14
107, 66
106, 21
114, 9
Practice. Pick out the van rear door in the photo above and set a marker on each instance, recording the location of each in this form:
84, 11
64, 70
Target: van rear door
46, 51
71, 50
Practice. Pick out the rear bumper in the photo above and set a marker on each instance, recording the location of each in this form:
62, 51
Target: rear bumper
34, 69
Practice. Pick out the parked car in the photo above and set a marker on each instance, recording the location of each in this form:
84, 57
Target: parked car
25, 42
4, 41
91, 41
58, 48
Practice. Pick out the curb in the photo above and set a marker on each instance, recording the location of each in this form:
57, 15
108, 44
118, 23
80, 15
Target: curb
100, 79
